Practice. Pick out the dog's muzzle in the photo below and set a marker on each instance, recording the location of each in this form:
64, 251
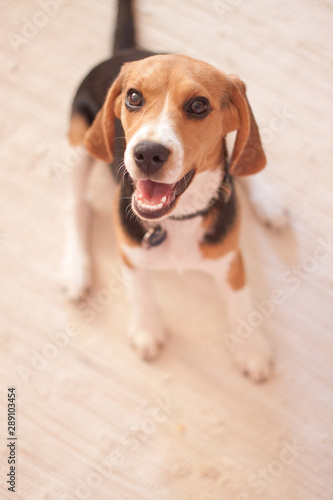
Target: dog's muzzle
155, 200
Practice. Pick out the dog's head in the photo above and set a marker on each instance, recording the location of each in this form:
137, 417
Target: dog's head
175, 112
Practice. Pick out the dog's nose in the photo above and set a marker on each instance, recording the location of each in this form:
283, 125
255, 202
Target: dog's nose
150, 156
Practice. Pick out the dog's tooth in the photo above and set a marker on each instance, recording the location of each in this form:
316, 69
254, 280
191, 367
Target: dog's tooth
151, 206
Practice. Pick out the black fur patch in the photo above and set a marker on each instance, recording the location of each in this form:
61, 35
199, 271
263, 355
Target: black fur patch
92, 91
129, 221
224, 216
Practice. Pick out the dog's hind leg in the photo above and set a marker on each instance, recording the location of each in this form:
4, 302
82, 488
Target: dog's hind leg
268, 204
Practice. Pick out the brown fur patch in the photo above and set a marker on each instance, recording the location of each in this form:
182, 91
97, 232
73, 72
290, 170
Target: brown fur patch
248, 156
77, 129
236, 274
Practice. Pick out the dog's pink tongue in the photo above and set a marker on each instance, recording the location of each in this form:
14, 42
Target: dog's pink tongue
153, 192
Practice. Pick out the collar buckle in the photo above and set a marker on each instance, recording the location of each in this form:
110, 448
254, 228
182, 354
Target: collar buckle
154, 236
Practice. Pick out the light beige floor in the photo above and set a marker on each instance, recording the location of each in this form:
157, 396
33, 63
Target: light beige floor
94, 422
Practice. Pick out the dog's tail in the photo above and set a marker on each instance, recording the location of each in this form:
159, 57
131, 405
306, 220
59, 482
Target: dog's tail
124, 37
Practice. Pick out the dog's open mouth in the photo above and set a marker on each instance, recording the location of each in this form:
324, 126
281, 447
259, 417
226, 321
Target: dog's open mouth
153, 200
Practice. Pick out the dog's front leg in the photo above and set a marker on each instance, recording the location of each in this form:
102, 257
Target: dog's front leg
146, 329
77, 265
248, 345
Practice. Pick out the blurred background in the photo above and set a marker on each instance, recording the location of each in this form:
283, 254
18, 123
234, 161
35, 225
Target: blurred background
94, 421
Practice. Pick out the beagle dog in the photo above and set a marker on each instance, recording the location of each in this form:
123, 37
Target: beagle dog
161, 121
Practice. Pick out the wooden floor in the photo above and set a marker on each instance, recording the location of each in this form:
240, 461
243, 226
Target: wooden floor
95, 422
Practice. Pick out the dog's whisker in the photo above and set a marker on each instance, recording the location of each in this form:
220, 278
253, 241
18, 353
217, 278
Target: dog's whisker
120, 169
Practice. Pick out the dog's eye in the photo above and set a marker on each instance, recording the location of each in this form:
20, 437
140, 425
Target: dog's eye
134, 99
198, 107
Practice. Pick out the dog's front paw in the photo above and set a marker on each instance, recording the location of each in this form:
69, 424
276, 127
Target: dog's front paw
254, 357
77, 276
147, 343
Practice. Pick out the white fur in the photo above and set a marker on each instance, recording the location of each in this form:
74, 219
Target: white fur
197, 196
160, 130
179, 251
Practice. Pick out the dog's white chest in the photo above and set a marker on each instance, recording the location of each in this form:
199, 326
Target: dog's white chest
179, 251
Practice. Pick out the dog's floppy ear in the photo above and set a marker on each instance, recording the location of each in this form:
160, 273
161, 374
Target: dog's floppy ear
99, 137
248, 156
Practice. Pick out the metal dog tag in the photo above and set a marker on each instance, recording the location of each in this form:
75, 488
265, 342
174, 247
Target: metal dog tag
154, 237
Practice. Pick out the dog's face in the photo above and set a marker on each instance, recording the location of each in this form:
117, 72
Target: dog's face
175, 112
